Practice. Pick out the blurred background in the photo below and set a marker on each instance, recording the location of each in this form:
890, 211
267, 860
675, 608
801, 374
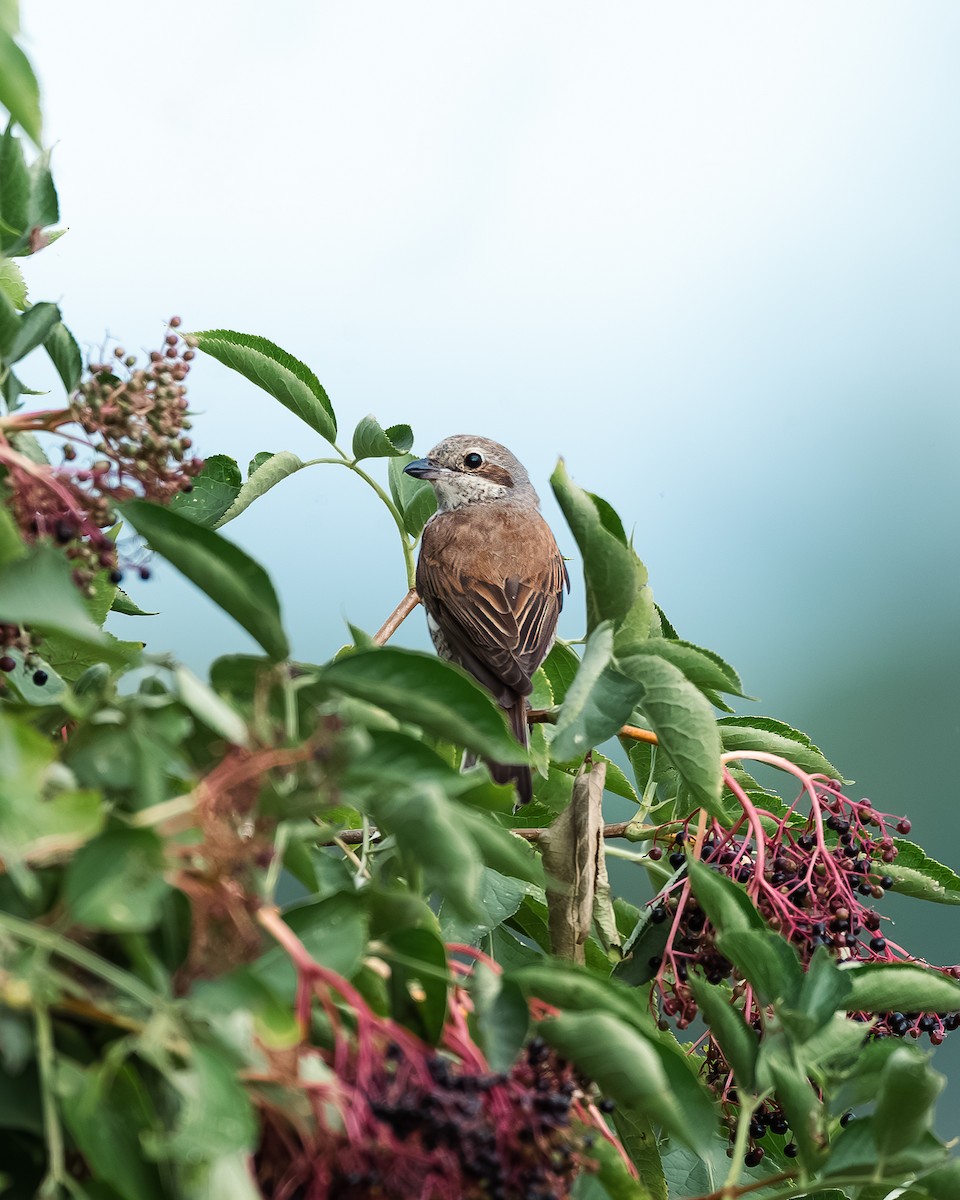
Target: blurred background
708, 253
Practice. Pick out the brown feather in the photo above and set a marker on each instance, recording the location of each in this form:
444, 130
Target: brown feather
491, 579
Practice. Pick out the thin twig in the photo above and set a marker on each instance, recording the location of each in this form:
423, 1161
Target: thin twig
354, 837
639, 735
548, 716
397, 617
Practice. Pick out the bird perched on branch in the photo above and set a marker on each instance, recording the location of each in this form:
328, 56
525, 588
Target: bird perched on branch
490, 576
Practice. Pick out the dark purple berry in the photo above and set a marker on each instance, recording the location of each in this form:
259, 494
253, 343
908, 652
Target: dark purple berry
791, 1150
7, 663
40, 678
677, 859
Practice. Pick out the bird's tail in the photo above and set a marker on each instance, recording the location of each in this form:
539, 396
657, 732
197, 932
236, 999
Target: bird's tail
510, 772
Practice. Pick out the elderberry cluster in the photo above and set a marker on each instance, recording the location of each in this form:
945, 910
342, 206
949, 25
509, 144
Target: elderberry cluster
136, 421
124, 434
477, 1135
811, 879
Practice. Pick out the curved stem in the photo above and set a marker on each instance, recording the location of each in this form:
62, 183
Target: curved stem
62, 947
406, 542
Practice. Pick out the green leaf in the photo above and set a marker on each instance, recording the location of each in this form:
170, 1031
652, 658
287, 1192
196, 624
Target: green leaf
107, 1109
501, 1014
426, 1014
577, 989
560, 667
19, 90
638, 1138
688, 1175
415, 498
116, 881
904, 1110
774, 737
21, 680
726, 903
614, 577
733, 1035
12, 545
610, 1179
334, 932
216, 1116
214, 490
703, 668
628, 1068
916, 874
209, 708
597, 703
645, 945
70, 656
903, 987
44, 204
64, 353
370, 441
767, 961
123, 604
798, 1100
276, 372
944, 1182
826, 989
35, 326
498, 898
14, 189
429, 832
10, 17
33, 812
12, 284
683, 722
270, 470
854, 1152
426, 691
500, 849
9, 328
222, 570
38, 590
216, 1000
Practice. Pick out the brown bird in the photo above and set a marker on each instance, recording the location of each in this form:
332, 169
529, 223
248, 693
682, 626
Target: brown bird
490, 576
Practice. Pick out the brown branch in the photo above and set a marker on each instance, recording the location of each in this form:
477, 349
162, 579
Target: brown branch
639, 735
397, 617
354, 837
730, 1193
548, 716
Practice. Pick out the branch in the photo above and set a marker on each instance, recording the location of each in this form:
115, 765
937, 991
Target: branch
548, 716
397, 617
354, 837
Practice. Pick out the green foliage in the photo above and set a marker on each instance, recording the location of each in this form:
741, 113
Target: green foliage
233, 908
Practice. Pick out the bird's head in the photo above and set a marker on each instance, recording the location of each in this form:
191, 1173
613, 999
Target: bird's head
465, 469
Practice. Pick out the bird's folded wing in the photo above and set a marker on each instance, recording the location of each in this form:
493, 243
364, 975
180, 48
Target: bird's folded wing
500, 629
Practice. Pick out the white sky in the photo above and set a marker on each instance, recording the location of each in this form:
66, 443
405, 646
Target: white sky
708, 252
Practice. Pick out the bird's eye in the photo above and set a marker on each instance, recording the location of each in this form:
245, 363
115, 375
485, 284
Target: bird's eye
473, 460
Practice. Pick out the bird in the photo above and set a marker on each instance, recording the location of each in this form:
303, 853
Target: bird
490, 576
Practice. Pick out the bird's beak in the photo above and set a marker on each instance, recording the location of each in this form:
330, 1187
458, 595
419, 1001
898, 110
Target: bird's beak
423, 468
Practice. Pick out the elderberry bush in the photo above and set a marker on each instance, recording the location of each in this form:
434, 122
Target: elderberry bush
262, 937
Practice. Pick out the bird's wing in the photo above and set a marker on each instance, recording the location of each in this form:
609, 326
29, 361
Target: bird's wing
498, 625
